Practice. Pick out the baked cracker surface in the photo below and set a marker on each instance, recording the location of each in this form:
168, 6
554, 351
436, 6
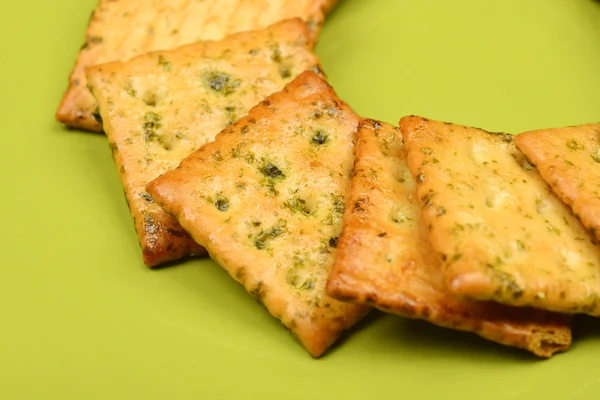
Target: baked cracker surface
501, 233
159, 107
568, 159
120, 30
384, 257
266, 199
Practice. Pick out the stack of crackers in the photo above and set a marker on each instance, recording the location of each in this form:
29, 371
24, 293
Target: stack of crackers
230, 142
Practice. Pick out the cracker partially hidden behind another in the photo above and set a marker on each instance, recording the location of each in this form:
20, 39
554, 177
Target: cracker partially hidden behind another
266, 199
119, 30
159, 107
569, 161
384, 257
502, 234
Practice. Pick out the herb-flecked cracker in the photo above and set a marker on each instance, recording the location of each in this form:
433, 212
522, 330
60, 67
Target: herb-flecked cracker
569, 161
501, 233
384, 257
266, 199
159, 107
120, 30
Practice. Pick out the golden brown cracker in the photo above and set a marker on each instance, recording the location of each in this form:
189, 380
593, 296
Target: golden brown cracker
266, 199
568, 159
119, 30
159, 107
503, 236
384, 257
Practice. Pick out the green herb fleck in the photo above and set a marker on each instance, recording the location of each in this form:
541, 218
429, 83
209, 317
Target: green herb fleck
298, 205
166, 64
221, 82
596, 154
285, 72
152, 123
276, 55
320, 137
271, 171
129, 89
575, 145
552, 228
269, 234
222, 203
147, 197
339, 205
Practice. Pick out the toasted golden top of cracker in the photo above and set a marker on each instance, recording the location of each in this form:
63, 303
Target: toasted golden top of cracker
159, 107
569, 161
384, 257
266, 198
501, 233
119, 30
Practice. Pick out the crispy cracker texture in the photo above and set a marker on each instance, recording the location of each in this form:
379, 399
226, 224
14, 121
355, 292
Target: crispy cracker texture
501, 233
384, 258
159, 107
266, 199
568, 159
119, 30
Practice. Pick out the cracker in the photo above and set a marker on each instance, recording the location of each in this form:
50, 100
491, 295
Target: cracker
502, 234
568, 159
159, 107
384, 258
266, 199
119, 30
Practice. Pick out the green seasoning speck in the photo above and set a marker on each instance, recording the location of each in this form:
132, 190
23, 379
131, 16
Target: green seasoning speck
333, 242
222, 203
320, 137
152, 123
285, 72
221, 82
426, 150
575, 145
339, 205
552, 228
129, 89
147, 197
596, 154
269, 234
166, 64
298, 205
271, 171
276, 55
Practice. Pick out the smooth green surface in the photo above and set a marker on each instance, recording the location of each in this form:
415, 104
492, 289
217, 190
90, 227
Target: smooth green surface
82, 318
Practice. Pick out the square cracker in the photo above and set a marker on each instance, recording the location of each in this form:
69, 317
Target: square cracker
501, 233
159, 107
266, 199
119, 30
384, 257
568, 159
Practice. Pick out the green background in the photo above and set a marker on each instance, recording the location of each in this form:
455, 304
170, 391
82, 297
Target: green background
82, 318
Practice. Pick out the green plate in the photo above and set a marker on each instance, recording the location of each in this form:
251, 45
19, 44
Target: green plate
81, 316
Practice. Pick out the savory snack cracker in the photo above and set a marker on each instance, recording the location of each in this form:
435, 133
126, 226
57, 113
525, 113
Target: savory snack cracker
159, 107
569, 161
119, 30
384, 257
500, 231
266, 199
